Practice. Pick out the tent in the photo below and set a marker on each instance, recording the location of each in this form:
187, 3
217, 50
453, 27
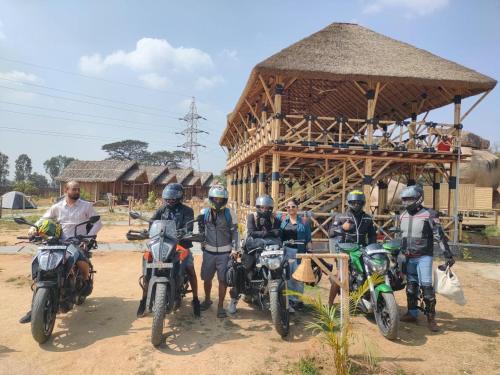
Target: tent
17, 201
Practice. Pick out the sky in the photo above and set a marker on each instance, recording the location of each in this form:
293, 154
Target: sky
75, 75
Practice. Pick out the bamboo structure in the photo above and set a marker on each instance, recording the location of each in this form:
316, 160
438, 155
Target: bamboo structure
347, 108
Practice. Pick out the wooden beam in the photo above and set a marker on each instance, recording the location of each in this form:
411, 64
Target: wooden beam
268, 95
474, 106
275, 177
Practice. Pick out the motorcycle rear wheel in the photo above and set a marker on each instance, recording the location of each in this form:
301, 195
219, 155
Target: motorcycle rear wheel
43, 315
159, 311
387, 316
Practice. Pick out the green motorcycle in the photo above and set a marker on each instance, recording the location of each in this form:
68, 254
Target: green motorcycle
379, 299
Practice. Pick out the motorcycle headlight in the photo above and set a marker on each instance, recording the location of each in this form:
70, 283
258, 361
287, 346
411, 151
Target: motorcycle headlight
377, 264
273, 263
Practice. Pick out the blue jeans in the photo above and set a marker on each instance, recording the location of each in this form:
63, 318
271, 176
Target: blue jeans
419, 271
294, 285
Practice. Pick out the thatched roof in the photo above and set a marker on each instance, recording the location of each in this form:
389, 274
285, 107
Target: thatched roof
154, 171
192, 180
325, 65
205, 177
135, 174
95, 171
181, 174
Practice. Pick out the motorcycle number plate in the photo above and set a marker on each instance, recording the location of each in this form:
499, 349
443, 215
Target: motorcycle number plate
159, 265
271, 253
52, 247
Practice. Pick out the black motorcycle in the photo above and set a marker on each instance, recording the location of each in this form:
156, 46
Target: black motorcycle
265, 267
169, 281
58, 282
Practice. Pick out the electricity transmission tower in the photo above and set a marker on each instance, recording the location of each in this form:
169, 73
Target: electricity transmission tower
191, 133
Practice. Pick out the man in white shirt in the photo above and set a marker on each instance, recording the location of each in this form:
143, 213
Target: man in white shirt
69, 212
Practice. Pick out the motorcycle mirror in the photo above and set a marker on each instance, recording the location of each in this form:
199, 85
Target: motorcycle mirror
21, 220
134, 214
94, 219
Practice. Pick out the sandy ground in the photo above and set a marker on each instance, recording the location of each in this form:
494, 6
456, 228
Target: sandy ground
104, 336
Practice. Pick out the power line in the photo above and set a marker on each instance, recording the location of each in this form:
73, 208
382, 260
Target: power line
76, 113
86, 102
95, 78
78, 120
88, 96
54, 133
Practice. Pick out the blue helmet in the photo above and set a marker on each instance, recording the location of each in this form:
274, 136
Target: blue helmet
173, 191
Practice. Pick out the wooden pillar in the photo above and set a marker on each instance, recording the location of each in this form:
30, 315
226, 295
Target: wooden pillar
245, 185
454, 180
262, 175
239, 179
370, 95
436, 185
253, 182
344, 183
229, 182
412, 130
367, 181
277, 107
382, 197
275, 177
412, 178
95, 192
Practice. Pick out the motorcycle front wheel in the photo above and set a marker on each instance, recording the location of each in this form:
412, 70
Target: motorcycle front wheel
159, 310
279, 310
43, 315
387, 315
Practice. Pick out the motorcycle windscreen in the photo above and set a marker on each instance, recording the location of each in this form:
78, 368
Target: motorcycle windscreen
168, 227
49, 260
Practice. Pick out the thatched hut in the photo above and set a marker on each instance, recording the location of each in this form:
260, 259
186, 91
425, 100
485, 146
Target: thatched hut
128, 178
346, 108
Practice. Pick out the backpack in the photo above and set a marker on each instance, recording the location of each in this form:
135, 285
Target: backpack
227, 215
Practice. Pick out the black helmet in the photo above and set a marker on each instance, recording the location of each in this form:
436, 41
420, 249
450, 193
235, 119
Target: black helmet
412, 197
356, 200
264, 205
173, 192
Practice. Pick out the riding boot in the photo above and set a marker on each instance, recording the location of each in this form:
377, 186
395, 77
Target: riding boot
142, 308
431, 323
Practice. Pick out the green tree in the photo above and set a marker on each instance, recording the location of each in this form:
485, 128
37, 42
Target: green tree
128, 149
39, 180
55, 165
26, 187
172, 159
23, 167
4, 168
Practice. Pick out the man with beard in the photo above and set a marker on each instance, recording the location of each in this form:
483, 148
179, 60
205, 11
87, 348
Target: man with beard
70, 212
354, 226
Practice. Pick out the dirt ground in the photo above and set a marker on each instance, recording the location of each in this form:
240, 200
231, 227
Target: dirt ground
104, 336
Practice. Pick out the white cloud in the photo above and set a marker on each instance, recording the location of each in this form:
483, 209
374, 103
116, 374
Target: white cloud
149, 54
203, 83
412, 7
18, 76
154, 81
230, 54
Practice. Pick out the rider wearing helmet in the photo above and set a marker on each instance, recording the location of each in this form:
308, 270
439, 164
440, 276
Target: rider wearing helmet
173, 209
420, 227
354, 225
263, 223
219, 225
